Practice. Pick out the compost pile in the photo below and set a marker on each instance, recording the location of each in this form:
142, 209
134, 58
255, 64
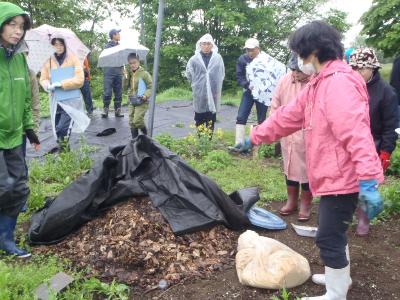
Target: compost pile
132, 243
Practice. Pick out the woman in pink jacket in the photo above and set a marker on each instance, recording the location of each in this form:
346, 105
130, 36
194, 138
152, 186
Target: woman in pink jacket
342, 164
293, 149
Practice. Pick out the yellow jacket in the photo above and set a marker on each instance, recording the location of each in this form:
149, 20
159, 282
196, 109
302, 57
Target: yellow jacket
68, 84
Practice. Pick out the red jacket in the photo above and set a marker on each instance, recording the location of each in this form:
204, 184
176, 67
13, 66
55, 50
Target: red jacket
333, 112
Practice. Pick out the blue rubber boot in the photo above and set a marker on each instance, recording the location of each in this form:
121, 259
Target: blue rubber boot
7, 242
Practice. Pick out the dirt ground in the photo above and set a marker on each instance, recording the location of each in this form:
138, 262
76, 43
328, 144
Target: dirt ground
375, 268
132, 244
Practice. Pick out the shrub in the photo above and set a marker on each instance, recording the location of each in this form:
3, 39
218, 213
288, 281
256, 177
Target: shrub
266, 151
394, 168
391, 196
216, 159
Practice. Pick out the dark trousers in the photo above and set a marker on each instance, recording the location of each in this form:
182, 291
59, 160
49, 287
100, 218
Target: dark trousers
334, 217
207, 118
14, 190
63, 121
112, 83
304, 186
87, 96
245, 107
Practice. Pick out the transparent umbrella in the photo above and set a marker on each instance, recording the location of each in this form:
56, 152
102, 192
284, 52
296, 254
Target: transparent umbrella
118, 56
40, 49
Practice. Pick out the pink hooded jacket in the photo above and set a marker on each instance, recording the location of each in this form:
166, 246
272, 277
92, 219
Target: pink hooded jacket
333, 112
293, 149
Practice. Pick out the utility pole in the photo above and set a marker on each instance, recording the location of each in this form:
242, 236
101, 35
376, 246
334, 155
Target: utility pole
160, 19
142, 38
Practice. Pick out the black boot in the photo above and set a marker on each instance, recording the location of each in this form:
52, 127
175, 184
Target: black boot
104, 114
118, 113
143, 130
134, 132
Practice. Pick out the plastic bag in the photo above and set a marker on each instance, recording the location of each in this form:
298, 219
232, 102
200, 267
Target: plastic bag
266, 263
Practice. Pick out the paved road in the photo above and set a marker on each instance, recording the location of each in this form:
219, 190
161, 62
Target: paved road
173, 117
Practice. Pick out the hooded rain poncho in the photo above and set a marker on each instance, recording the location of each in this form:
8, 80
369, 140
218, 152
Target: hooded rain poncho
206, 82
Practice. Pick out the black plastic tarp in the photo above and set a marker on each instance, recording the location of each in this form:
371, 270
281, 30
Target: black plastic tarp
187, 199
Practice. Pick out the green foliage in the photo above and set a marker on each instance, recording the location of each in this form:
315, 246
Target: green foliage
19, 281
174, 93
284, 295
229, 22
391, 195
382, 26
110, 291
266, 151
214, 160
337, 19
44, 105
50, 176
394, 168
386, 71
73, 14
194, 146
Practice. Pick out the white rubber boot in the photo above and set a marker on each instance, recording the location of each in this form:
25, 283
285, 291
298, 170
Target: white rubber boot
320, 278
239, 138
337, 284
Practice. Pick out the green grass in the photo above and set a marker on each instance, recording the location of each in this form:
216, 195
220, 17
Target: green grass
19, 280
50, 175
174, 93
242, 173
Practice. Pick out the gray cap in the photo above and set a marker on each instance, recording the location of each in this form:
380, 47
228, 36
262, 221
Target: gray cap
293, 62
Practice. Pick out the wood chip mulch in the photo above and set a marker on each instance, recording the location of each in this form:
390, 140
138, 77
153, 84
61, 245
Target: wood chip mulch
132, 243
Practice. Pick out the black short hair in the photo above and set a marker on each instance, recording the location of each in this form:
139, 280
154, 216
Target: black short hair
27, 23
133, 56
54, 40
320, 37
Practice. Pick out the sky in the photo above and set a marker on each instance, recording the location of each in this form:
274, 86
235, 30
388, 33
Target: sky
354, 8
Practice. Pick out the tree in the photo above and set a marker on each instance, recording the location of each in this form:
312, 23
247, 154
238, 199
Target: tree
382, 26
337, 19
230, 22
73, 14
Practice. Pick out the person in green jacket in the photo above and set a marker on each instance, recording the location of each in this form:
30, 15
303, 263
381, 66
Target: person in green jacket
138, 100
15, 120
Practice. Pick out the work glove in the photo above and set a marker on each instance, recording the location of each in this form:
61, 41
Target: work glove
52, 86
370, 199
385, 160
32, 137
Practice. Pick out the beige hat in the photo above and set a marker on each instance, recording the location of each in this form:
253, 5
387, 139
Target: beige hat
251, 43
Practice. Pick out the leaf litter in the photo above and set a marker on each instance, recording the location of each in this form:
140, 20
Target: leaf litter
133, 243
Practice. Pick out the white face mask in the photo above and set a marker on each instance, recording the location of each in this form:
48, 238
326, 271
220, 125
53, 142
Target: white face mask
307, 69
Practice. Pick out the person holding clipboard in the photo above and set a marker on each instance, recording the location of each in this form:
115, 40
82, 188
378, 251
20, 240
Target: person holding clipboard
62, 76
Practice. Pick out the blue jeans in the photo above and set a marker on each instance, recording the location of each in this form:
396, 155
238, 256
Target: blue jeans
87, 96
245, 108
112, 82
63, 120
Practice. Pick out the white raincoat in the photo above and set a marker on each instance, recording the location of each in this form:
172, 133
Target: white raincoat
206, 82
263, 73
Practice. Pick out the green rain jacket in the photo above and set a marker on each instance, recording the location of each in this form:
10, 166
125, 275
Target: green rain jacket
15, 90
